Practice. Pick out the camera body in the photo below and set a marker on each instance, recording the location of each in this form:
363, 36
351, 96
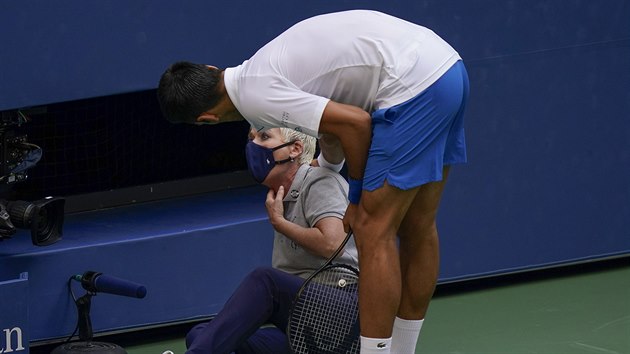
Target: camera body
43, 217
13, 150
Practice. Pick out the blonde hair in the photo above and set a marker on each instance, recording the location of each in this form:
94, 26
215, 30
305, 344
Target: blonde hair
309, 143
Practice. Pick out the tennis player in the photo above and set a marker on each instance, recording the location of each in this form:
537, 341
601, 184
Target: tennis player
391, 95
308, 229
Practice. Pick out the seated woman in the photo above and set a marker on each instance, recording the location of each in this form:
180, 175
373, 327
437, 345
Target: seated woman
306, 206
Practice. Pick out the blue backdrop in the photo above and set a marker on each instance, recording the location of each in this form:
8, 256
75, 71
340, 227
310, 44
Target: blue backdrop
548, 124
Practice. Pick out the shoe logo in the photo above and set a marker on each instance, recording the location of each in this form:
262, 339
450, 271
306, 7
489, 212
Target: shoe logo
381, 345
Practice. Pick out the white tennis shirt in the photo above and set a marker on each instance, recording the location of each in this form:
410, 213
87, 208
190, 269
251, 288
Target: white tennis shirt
363, 58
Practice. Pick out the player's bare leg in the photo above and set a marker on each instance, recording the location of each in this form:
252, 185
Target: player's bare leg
419, 250
379, 215
419, 265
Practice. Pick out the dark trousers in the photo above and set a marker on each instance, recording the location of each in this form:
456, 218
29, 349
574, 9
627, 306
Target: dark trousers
263, 297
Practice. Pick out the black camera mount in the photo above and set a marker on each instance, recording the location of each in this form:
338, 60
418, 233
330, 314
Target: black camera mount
43, 217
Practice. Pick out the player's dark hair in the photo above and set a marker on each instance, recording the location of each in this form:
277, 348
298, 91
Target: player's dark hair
186, 90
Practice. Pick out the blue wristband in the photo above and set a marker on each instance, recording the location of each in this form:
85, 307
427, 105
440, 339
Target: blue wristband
354, 190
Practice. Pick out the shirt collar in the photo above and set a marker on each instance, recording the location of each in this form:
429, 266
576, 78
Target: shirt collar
296, 186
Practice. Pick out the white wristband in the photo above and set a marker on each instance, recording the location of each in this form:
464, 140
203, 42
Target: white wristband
331, 166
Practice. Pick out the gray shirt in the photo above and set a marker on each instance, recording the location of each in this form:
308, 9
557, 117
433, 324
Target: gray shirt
315, 193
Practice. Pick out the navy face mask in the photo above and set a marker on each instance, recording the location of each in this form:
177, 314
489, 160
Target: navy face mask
260, 159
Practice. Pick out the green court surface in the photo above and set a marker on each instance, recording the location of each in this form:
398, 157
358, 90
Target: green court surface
585, 309
581, 313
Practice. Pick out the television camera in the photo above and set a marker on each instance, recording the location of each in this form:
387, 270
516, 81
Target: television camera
44, 217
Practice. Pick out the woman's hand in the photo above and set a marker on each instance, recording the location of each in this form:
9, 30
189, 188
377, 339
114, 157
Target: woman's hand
275, 208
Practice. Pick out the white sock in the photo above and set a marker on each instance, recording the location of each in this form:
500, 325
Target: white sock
375, 345
405, 335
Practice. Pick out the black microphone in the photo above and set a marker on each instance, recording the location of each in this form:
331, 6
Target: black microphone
98, 283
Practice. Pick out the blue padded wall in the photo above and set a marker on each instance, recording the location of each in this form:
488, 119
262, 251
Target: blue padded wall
14, 314
190, 253
548, 129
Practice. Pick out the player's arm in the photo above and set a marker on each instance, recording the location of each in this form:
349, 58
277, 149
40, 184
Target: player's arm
331, 149
353, 127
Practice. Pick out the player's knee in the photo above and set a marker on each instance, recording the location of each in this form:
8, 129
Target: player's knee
373, 245
420, 225
372, 228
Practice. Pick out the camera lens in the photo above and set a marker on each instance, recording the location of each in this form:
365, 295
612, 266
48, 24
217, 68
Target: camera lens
20, 213
43, 217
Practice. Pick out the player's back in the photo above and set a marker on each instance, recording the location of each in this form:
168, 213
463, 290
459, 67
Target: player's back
360, 57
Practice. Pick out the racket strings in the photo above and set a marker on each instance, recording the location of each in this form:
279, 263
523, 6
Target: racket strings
325, 315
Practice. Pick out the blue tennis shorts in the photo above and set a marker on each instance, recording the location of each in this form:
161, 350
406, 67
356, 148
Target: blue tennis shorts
414, 140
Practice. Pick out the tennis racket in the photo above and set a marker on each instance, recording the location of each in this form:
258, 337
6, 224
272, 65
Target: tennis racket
325, 314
